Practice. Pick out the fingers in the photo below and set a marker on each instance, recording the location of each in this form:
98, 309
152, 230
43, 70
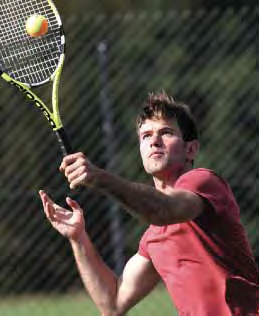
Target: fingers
76, 175
78, 181
45, 198
73, 204
76, 169
70, 160
48, 205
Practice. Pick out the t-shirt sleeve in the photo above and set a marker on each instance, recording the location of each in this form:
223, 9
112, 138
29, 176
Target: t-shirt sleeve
142, 250
209, 186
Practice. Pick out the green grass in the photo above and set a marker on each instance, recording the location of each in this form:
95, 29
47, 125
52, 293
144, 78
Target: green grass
157, 303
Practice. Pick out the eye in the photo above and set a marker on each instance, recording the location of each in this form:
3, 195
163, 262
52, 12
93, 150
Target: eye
146, 136
168, 132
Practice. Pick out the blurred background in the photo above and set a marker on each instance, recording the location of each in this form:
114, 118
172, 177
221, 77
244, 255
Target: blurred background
203, 53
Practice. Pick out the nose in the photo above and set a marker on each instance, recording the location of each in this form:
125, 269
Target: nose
156, 141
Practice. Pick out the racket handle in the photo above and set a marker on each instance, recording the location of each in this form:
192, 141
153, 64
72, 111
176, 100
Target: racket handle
63, 141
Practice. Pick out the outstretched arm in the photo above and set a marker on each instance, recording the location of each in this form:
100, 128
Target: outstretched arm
112, 295
141, 200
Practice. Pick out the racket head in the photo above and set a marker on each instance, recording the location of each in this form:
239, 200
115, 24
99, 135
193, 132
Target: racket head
32, 61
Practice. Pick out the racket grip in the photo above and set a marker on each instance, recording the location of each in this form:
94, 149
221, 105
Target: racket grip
63, 141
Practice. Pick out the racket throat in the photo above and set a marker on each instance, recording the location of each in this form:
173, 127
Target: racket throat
32, 98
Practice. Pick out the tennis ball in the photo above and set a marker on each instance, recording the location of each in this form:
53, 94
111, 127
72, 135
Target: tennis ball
37, 25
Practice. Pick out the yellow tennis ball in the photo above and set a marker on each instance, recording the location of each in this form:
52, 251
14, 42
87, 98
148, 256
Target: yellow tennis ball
37, 25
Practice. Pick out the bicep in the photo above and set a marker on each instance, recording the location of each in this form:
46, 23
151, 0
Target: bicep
190, 205
179, 206
139, 277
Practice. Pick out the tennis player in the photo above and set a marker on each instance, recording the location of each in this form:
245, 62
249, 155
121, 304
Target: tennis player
195, 242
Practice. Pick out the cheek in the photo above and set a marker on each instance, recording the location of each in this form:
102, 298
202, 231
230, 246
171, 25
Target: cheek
144, 152
177, 148
142, 149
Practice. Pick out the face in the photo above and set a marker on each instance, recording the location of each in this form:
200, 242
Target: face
162, 147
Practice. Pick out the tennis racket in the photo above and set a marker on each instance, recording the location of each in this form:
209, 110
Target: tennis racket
27, 62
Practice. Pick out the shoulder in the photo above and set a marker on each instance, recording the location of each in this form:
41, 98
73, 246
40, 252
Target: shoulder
200, 173
211, 187
200, 177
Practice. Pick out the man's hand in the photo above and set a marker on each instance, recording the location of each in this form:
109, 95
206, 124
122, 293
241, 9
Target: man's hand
78, 170
69, 223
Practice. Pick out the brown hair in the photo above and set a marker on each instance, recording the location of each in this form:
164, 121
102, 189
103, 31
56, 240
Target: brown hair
163, 106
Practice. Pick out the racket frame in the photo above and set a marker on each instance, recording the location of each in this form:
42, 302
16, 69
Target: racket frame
53, 117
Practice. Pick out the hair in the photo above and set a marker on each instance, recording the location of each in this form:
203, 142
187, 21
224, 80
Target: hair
163, 106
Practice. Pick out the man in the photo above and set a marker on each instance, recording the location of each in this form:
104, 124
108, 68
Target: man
195, 242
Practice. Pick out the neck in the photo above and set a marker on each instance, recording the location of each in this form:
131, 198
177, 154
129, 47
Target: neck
165, 181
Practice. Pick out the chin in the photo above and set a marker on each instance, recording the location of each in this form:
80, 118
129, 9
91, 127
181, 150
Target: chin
155, 170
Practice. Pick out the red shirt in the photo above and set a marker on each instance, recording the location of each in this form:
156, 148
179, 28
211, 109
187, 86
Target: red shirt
206, 264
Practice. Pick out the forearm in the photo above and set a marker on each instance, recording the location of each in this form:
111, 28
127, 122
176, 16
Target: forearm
98, 279
142, 200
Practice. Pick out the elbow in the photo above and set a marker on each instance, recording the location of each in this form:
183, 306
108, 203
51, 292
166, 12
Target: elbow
112, 312
108, 311
114, 309
111, 309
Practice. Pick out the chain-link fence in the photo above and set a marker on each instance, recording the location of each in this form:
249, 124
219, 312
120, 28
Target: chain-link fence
205, 58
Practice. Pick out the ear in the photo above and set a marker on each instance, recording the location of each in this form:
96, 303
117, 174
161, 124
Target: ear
192, 147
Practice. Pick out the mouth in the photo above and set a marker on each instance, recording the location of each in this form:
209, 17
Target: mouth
156, 154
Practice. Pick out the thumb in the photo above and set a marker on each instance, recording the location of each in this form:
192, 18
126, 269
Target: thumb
73, 204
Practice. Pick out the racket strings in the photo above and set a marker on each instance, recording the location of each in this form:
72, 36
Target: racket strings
26, 59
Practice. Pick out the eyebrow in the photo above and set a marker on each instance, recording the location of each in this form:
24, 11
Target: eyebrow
165, 128
168, 128
145, 132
